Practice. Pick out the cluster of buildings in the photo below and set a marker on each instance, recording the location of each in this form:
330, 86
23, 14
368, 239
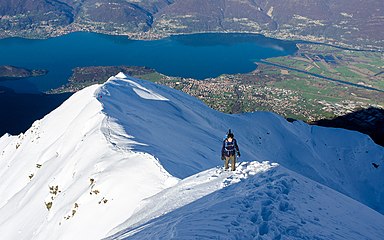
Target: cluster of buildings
225, 92
222, 94
344, 107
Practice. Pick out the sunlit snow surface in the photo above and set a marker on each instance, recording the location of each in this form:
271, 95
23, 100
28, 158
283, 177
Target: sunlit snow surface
132, 159
258, 200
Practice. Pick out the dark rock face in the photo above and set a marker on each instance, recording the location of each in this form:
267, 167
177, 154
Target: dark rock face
369, 121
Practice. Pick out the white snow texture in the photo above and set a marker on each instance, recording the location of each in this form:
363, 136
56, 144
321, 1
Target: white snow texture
130, 159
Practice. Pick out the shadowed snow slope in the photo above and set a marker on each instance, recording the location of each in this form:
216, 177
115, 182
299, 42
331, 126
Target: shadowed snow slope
88, 166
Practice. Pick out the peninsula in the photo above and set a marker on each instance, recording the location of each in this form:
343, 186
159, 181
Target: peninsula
15, 73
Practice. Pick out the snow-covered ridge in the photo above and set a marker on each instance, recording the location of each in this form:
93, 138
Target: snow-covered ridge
65, 179
87, 167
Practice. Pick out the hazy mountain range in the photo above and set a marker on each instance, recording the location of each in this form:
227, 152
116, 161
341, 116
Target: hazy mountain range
345, 22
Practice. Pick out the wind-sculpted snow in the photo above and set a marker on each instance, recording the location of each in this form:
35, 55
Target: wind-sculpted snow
114, 154
257, 201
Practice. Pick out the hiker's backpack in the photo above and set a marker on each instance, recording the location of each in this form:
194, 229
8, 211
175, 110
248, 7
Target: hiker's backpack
229, 147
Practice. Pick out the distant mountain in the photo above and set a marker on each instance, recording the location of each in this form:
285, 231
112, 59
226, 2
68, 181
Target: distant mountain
351, 22
33, 16
130, 159
344, 22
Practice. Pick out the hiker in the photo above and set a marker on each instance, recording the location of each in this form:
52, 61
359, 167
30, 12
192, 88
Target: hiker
229, 150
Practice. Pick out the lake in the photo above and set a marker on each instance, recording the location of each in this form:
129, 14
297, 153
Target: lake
197, 56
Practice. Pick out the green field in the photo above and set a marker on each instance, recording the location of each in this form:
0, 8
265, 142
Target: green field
153, 77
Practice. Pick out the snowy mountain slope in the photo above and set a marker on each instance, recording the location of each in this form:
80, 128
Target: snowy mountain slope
66, 161
185, 135
86, 167
257, 201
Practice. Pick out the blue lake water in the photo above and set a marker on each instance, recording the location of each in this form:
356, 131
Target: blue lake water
197, 56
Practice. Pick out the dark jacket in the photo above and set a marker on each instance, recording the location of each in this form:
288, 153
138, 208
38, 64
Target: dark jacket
229, 148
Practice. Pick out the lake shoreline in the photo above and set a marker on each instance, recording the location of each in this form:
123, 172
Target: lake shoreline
198, 56
145, 36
